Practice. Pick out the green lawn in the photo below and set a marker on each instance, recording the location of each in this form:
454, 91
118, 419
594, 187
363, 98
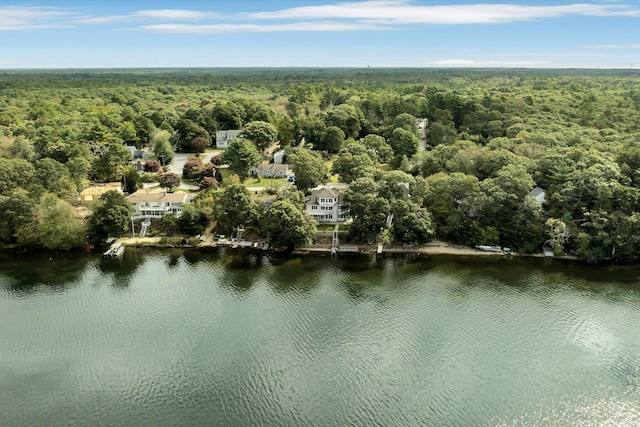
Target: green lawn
253, 182
265, 182
190, 182
325, 227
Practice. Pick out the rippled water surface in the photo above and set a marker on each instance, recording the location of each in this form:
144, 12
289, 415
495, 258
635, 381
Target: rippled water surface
185, 338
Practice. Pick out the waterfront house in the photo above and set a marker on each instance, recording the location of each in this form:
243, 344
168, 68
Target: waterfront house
224, 137
326, 204
157, 204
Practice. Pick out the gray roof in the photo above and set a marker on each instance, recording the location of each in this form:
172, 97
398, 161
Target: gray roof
536, 192
227, 135
275, 167
325, 193
145, 195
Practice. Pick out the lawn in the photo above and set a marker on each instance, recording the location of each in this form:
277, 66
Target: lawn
325, 227
253, 182
265, 182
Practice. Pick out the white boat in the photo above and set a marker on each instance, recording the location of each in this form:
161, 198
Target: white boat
115, 250
487, 248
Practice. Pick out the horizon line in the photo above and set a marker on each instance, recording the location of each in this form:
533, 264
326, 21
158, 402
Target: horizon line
328, 67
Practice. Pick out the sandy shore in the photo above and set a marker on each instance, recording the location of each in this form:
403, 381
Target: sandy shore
433, 248
423, 250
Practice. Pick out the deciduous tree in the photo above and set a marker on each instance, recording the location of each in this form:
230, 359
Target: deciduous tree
287, 225
233, 207
241, 155
110, 217
262, 134
56, 225
170, 181
403, 143
308, 167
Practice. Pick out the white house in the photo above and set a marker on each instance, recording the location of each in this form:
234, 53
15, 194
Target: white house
326, 204
539, 194
271, 170
278, 157
157, 204
224, 137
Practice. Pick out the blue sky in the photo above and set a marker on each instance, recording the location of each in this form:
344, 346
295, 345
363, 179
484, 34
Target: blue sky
319, 33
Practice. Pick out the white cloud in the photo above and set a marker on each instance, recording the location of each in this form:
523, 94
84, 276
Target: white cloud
319, 26
180, 14
405, 12
158, 14
14, 18
615, 46
346, 16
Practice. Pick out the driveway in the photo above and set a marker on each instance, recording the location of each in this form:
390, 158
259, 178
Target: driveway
183, 186
422, 134
179, 159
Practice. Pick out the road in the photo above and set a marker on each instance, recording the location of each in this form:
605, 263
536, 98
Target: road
183, 186
179, 159
422, 134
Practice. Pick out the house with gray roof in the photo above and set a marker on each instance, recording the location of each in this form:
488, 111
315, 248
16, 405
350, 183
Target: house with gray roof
147, 204
278, 157
326, 205
539, 194
224, 137
271, 170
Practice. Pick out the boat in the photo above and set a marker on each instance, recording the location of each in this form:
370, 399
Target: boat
114, 250
487, 248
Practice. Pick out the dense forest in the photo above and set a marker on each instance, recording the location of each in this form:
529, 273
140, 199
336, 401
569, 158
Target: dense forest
492, 136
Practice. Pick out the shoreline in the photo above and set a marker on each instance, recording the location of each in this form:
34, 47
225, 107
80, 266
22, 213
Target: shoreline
324, 249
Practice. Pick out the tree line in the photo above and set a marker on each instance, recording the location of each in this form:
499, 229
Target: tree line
491, 137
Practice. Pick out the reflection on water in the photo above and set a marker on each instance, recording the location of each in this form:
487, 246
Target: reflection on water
27, 274
234, 338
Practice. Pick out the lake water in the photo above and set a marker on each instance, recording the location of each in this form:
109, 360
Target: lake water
187, 338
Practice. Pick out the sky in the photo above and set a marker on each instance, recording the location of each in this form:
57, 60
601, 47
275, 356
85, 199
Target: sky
319, 33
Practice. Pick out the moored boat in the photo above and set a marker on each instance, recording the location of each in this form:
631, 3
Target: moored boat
114, 250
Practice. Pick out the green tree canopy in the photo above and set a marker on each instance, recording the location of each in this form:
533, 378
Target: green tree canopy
108, 167
131, 180
377, 143
110, 217
192, 221
353, 162
344, 116
232, 207
17, 208
308, 167
15, 173
286, 130
170, 181
241, 155
287, 225
407, 122
411, 223
312, 129
403, 143
262, 134
162, 148
186, 131
56, 225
